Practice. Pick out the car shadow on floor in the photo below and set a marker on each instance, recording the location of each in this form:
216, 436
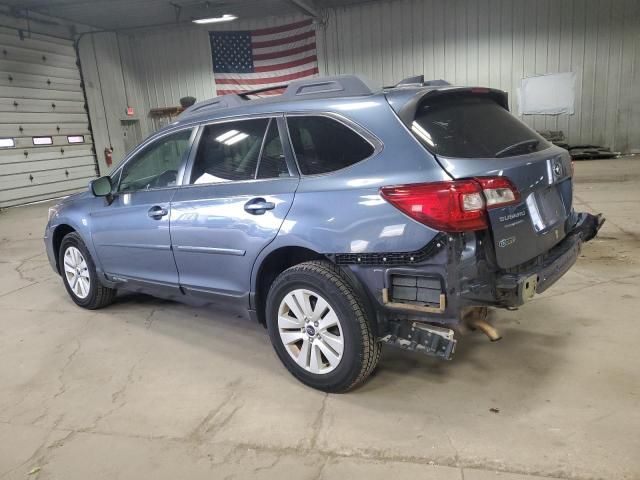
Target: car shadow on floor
524, 358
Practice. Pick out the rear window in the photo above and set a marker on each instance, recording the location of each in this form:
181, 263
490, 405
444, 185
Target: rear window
472, 126
324, 145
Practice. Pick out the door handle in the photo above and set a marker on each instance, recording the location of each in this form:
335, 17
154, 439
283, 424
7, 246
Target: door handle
157, 212
257, 206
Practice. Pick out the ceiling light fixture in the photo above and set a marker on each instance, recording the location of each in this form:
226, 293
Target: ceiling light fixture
227, 17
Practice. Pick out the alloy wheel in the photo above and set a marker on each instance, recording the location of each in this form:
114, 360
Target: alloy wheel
76, 272
310, 331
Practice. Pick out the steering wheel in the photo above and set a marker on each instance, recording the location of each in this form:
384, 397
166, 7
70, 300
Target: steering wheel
164, 179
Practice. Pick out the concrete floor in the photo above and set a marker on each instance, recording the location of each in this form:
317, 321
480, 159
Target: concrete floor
153, 389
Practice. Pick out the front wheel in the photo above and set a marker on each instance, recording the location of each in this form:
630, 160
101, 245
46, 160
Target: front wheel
79, 275
318, 327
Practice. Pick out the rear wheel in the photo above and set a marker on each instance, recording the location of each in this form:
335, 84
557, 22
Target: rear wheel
79, 275
319, 329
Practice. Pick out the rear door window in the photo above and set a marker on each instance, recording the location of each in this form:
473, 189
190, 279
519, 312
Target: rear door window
472, 126
323, 145
272, 163
229, 151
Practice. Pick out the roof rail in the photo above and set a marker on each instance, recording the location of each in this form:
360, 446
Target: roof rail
246, 93
223, 101
337, 86
318, 87
340, 85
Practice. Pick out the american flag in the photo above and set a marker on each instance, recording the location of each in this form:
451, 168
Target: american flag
253, 59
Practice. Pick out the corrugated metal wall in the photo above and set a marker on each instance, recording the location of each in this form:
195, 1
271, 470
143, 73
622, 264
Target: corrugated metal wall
173, 64
497, 42
144, 71
108, 66
484, 42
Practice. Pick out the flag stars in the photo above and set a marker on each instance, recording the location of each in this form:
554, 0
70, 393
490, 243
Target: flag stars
232, 52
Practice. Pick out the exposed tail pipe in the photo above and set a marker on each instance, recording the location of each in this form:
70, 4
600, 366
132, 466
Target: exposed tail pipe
486, 328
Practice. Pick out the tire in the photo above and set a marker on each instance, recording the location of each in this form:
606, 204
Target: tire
312, 284
89, 294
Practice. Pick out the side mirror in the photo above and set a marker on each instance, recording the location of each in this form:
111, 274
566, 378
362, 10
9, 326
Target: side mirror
101, 187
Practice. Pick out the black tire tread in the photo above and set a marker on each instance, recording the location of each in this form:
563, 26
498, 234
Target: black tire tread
372, 349
103, 295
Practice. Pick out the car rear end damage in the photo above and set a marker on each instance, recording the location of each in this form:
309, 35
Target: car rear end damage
507, 226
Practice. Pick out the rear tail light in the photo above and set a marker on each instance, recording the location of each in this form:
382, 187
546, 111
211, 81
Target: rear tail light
498, 191
454, 206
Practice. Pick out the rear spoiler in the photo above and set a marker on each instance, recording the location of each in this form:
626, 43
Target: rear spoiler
405, 103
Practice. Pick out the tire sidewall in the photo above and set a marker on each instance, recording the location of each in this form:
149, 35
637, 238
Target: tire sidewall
74, 240
350, 364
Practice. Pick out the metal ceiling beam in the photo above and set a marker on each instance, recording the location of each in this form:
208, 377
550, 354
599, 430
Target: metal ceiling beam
307, 7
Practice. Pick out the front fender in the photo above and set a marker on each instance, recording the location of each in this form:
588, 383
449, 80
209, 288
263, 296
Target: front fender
74, 214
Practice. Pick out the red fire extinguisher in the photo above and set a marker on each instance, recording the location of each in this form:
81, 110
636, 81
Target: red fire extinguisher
108, 156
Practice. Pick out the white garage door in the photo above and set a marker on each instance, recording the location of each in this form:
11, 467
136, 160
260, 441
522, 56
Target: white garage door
46, 149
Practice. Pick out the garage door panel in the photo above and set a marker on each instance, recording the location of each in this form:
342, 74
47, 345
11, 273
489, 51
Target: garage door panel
44, 177
19, 117
41, 93
46, 165
12, 66
24, 54
28, 80
41, 106
37, 129
15, 155
41, 96
10, 38
35, 193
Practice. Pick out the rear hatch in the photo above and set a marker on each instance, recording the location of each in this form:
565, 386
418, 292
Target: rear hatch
472, 134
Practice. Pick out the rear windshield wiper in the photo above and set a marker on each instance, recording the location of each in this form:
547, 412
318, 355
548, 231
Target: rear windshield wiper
531, 143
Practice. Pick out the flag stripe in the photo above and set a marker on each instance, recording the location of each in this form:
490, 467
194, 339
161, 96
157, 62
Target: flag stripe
288, 58
283, 41
282, 49
291, 51
281, 66
281, 28
276, 36
264, 80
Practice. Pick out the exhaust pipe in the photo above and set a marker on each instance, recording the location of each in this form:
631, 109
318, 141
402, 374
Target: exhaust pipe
476, 319
487, 329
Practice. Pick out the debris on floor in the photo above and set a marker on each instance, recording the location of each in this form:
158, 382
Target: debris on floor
590, 152
578, 152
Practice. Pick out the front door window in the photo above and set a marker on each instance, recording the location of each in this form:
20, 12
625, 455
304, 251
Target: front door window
157, 165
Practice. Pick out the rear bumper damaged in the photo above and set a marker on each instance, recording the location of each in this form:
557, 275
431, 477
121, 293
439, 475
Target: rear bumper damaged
418, 305
514, 289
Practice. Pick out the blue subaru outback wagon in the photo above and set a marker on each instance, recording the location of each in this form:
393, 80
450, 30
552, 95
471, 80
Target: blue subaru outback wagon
339, 217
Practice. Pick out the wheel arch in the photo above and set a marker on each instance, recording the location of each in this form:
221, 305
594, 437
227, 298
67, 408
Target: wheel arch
270, 266
281, 258
60, 231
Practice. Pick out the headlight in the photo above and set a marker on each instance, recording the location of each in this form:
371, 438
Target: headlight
53, 211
